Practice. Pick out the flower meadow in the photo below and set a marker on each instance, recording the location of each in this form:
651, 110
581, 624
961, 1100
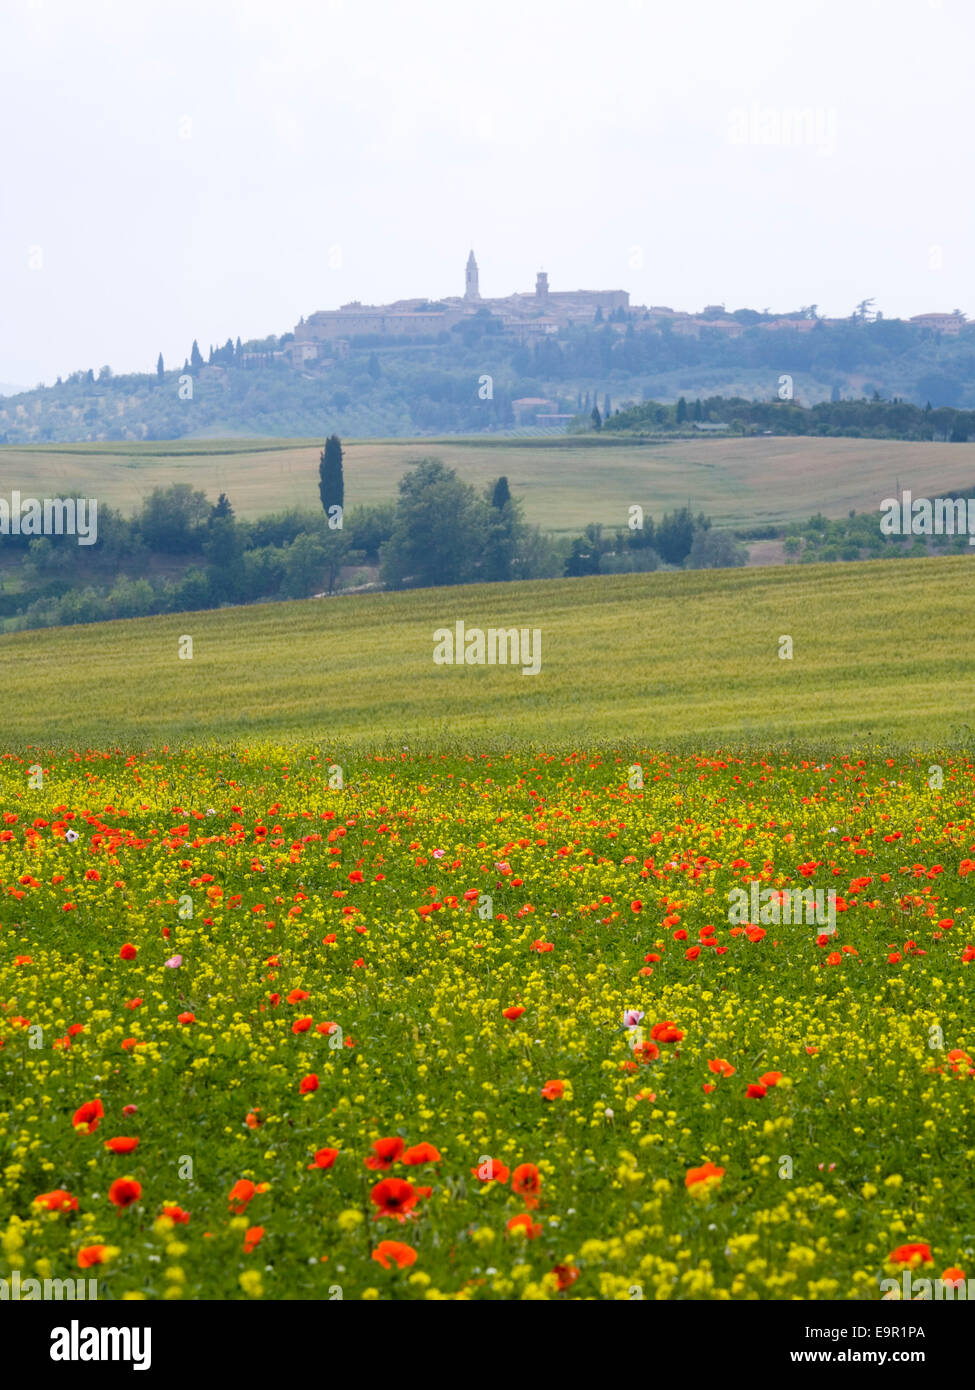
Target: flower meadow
448, 1027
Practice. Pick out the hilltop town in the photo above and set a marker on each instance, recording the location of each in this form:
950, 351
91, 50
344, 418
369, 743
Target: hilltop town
534, 315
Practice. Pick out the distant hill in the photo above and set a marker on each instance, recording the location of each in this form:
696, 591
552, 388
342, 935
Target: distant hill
481, 381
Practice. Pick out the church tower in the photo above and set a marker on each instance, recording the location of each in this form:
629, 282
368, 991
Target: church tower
471, 290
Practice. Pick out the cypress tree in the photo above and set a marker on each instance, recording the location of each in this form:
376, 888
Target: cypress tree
502, 493
331, 485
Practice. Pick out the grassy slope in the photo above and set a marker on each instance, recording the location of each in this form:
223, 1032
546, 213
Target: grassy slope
881, 651
564, 486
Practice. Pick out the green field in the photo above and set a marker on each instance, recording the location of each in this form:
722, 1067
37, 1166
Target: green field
565, 484
881, 651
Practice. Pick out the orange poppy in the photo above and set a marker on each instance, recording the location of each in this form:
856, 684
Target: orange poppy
240, 1194
390, 1252
525, 1223
707, 1172
58, 1200
911, 1255
514, 1012
252, 1238
553, 1090
90, 1255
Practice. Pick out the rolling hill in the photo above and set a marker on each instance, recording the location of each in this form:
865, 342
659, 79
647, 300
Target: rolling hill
880, 655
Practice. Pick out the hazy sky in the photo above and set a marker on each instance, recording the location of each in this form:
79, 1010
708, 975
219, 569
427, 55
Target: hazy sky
176, 169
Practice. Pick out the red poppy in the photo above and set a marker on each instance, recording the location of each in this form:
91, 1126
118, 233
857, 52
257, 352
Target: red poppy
526, 1181
553, 1090
309, 1083
565, 1275
491, 1170
756, 1090
175, 1213
770, 1078
420, 1154
121, 1145
324, 1158
911, 1254
124, 1191
385, 1152
514, 1012
128, 951
186, 1018
88, 1116
394, 1197
666, 1032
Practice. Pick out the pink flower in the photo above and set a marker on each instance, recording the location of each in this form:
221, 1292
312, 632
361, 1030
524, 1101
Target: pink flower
174, 962
631, 1017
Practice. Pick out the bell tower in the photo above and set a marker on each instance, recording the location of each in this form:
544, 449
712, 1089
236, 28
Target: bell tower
471, 290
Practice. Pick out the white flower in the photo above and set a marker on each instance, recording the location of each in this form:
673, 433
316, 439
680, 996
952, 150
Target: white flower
71, 836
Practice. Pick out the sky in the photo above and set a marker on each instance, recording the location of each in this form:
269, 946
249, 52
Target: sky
217, 168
